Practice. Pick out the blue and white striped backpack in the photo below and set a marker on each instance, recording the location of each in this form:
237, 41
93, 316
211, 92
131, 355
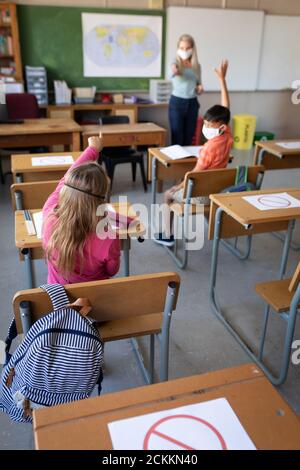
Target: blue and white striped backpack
59, 361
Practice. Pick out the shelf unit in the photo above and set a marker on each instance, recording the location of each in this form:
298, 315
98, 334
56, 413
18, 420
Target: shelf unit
10, 55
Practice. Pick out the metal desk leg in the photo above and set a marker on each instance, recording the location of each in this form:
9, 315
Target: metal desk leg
25, 315
214, 263
286, 246
29, 268
261, 156
294, 246
291, 317
154, 180
153, 196
234, 249
19, 178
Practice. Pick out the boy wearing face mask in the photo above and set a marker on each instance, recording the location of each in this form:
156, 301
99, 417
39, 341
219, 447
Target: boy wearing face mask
186, 84
214, 154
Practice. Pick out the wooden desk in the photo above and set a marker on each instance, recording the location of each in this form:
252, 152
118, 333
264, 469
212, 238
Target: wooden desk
264, 414
30, 247
232, 216
120, 135
162, 168
38, 132
274, 157
70, 111
24, 172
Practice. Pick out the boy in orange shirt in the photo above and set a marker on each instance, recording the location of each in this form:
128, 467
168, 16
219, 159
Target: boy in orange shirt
214, 154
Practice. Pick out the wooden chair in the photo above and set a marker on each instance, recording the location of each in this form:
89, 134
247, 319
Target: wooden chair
126, 307
202, 184
283, 297
31, 195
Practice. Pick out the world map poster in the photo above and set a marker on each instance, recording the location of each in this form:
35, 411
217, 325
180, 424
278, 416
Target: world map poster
121, 45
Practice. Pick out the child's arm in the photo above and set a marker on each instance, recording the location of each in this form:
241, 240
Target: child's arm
112, 265
221, 73
91, 153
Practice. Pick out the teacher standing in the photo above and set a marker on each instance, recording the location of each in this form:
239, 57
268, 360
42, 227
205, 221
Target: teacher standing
186, 81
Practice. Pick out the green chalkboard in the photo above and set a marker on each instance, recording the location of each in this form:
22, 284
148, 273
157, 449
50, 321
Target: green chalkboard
52, 36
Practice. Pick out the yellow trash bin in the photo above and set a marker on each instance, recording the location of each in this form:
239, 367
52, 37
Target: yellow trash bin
243, 131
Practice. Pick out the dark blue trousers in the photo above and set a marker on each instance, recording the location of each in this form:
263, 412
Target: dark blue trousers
183, 115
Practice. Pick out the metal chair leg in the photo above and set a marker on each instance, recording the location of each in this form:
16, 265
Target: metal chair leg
143, 175
265, 325
133, 169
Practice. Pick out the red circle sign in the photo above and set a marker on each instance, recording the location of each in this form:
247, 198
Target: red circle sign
274, 201
157, 434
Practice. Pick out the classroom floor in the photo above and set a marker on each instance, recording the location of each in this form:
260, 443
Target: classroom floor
198, 343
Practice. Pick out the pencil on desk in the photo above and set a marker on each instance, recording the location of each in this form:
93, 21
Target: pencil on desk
29, 223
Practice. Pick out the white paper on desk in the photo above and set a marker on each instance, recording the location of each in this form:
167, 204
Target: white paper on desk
211, 425
289, 145
265, 202
38, 223
193, 150
52, 161
176, 152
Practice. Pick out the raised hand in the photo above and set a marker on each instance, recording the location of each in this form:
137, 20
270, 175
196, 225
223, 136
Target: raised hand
222, 69
96, 142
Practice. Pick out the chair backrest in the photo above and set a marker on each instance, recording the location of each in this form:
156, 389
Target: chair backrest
295, 279
208, 182
31, 195
198, 132
112, 299
22, 106
120, 119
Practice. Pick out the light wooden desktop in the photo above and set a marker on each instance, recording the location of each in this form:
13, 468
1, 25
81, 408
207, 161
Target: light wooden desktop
23, 170
275, 157
245, 219
120, 135
163, 168
41, 132
264, 414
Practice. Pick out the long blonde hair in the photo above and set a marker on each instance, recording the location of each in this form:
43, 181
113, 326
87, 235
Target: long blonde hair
75, 215
194, 58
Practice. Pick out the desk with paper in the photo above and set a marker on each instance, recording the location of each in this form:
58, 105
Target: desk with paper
177, 152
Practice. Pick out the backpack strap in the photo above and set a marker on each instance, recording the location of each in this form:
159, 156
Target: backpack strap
57, 295
11, 335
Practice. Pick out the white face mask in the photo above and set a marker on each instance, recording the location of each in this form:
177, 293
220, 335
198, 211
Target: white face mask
184, 55
210, 132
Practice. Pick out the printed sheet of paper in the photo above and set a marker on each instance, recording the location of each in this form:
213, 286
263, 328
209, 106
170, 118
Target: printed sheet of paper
266, 202
289, 145
176, 152
211, 425
38, 222
52, 161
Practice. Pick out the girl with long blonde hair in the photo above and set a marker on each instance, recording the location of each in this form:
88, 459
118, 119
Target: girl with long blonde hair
186, 82
74, 253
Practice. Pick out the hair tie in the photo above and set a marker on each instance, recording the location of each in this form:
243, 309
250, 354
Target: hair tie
85, 192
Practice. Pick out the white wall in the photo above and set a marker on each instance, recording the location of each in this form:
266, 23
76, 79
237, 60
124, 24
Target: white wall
275, 111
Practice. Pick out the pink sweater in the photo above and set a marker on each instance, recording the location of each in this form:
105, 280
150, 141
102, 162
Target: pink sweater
101, 257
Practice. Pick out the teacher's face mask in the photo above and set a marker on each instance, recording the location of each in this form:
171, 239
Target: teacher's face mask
184, 54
